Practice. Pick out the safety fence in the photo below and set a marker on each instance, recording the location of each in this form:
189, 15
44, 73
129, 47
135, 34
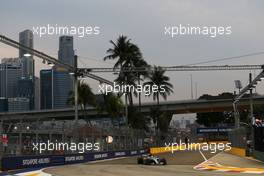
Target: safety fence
238, 137
259, 143
259, 136
22, 137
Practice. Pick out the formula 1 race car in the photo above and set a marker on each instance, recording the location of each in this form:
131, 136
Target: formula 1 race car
149, 159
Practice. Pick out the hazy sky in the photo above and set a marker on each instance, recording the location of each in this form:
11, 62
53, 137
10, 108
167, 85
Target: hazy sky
144, 22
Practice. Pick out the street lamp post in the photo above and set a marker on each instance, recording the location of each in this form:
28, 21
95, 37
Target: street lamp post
76, 118
191, 86
236, 115
252, 84
251, 111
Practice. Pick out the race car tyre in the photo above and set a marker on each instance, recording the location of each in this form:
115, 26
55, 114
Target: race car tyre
163, 161
149, 162
140, 161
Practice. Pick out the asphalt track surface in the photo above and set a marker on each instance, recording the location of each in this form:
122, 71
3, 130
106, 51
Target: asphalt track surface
180, 163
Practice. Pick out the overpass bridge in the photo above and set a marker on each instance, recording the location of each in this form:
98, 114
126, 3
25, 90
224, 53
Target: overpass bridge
175, 107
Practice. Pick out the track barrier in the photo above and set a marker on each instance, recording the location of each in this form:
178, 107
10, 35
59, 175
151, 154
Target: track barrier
26, 162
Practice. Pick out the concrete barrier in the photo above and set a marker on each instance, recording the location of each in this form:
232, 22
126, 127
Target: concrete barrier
157, 150
238, 151
42, 161
258, 155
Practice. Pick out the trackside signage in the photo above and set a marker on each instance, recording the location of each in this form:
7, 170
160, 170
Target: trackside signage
36, 161
213, 130
74, 158
101, 156
120, 153
135, 152
24, 162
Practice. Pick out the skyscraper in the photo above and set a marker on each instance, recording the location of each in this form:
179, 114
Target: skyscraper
46, 89
18, 104
25, 89
66, 52
53, 93
27, 82
10, 74
56, 83
62, 81
26, 39
37, 93
3, 104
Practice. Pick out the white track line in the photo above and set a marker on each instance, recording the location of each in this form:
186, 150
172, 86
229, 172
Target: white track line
103, 160
203, 155
42, 173
205, 160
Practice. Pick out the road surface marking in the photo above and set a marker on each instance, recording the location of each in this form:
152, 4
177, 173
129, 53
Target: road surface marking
203, 155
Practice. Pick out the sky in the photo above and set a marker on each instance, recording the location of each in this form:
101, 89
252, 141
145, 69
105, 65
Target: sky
143, 22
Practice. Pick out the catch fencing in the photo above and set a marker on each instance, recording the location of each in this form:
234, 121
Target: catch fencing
22, 137
239, 137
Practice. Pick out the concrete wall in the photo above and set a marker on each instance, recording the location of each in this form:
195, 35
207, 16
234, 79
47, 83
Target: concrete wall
258, 155
238, 151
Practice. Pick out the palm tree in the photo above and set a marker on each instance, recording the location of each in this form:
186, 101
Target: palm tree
141, 63
164, 88
157, 77
124, 51
127, 55
85, 96
112, 104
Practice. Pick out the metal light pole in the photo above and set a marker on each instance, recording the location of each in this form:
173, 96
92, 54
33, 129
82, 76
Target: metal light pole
196, 92
251, 100
191, 86
236, 115
251, 112
76, 118
126, 109
139, 94
252, 84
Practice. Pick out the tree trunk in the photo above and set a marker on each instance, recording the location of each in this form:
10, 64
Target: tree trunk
130, 97
158, 100
157, 119
84, 112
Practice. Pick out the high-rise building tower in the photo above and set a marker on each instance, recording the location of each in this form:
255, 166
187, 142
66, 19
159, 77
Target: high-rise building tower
10, 74
46, 89
27, 83
63, 85
3, 104
26, 39
37, 93
18, 104
66, 52
25, 89
62, 81
56, 83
